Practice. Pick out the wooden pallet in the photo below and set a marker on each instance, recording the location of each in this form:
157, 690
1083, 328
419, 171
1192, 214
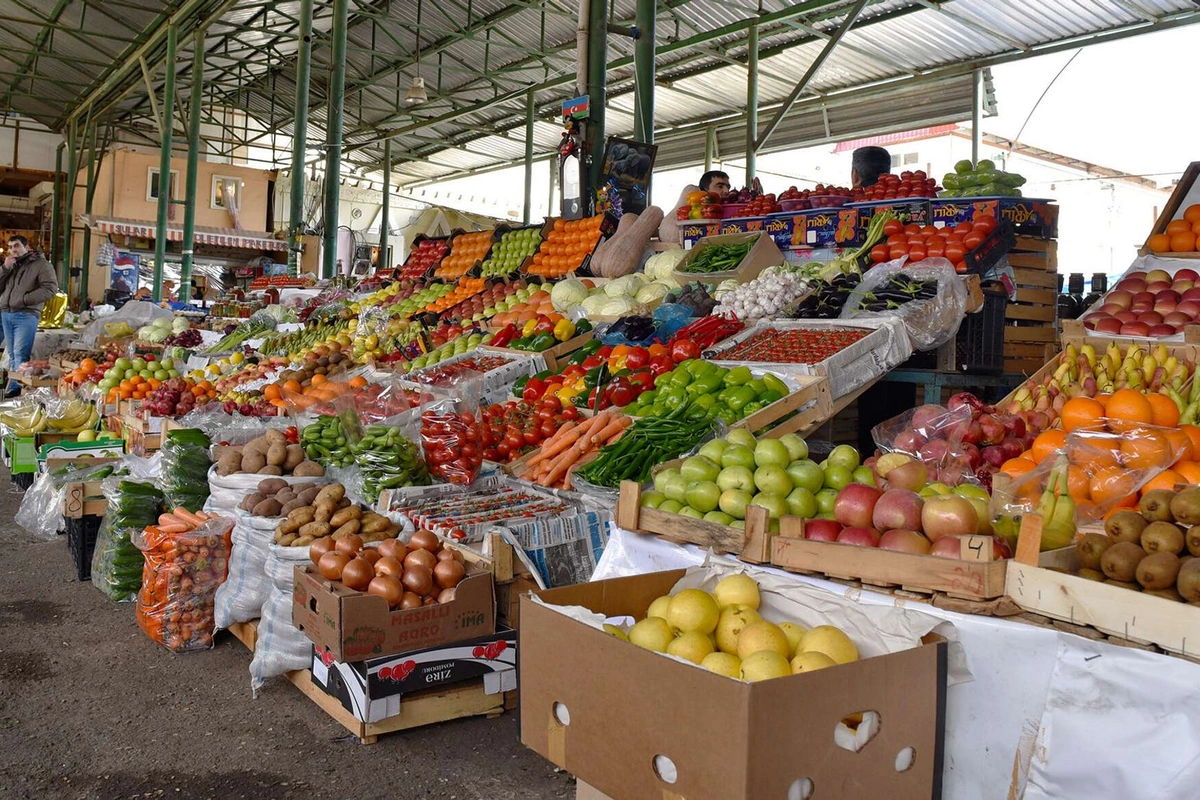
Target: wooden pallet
1031, 320
418, 709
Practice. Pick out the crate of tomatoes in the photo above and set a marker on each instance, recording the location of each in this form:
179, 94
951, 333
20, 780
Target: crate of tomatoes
972, 247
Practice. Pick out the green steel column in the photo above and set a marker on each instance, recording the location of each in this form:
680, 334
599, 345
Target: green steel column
64, 280
193, 168
387, 201
751, 104
56, 208
300, 136
529, 109
164, 165
644, 72
710, 147
597, 95
87, 209
333, 136
977, 97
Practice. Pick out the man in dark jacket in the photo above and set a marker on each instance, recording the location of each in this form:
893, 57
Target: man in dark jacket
27, 281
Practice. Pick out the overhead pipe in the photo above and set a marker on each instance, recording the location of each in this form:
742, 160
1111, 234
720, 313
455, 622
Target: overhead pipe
644, 71
752, 106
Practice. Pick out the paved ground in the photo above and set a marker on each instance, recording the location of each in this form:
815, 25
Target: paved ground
91, 708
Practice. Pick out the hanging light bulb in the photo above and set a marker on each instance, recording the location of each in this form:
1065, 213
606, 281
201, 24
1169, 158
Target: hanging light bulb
416, 92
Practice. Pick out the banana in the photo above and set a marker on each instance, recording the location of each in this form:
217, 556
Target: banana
1059, 529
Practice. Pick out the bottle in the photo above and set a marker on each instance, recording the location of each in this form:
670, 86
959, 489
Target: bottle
1068, 308
1099, 288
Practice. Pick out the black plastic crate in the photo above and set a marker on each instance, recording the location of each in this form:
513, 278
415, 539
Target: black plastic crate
24, 480
990, 251
980, 342
81, 541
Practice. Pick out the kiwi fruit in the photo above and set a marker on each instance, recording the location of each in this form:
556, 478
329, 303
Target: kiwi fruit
1126, 526
1090, 548
1162, 537
1192, 538
1158, 570
1168, 593
1188, 581
1185, 506
1131, 585
1090, 574
1155, 506
1120, 561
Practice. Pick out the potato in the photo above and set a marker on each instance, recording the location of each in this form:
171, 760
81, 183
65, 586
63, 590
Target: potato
315, 529
287, 526
267, 508
344, 515
285, 495
274, 437
309, 495
269, 470
308, 469
324, 512
270, 486
251, 501
303, 541
253, 461
292, 505
330, 494
295, 456
288, 540
229, 464
349, 527
378, 523
344, 503
258, 445
302, 515
277, 455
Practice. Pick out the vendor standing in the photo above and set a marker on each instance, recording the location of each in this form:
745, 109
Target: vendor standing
714, 181
27, 281
867, 164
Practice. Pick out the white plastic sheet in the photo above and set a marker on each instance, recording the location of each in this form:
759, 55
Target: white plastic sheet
241, 596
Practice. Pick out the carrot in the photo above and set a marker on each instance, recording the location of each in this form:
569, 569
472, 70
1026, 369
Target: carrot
614, 427
187, 516
567, 479
170, 519
561, 464
567, 433
177, 527
203, 516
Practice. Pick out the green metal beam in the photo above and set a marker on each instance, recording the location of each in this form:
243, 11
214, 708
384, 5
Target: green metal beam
164, 164
530, 105
68, 206
597, 85
385, 204
299, 136
333, 137
644, 80
751, 104
90, 192
56, 209
195, 104
710, 148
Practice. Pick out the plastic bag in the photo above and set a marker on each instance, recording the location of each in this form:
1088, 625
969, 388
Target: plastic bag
451, 437
929, 323
241, 596
227, 491
179, 583
134, 314
185, 465
281, 647
41, 511
934, 435
116, 562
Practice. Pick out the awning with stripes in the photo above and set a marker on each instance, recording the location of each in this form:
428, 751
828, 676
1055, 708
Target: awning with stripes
220, 237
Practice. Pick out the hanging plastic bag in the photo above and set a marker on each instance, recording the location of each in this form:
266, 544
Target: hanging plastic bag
185, 465
240, 597
930, 322
41, 511
117, 562
451, 437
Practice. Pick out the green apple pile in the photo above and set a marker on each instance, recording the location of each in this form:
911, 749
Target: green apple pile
724, 632
727, 475
125, 368
511, 251
449, 350
418, 300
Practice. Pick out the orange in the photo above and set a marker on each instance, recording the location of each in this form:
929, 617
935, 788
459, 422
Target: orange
317, 379
1128, 409
1159, 243
1189, 471
358, 381
1111, 484
1078, 484
88, 365
1178, 226
1103, 399
272, 391
1164, 480
1046, 443
1184, 242
1017, 467
1181, 445
1145, 449
1192, 214
1082, 413
1164, 412
1097, 452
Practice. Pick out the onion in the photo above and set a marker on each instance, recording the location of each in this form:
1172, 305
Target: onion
390, 567
446, 596
349, 544
429, 601
388, 588
423, 557
319, 548
371, 554
410, 600
446, 554
425, 540
357, 574
394, 548
418, 580
449, 573
332, 564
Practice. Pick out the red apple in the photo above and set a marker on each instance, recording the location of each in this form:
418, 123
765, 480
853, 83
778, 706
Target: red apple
1125, 316
1177, 318
1109, 325
1089, 322
1111, 308
1189, 307
1158, 286
1143, 297
947, 547
1191, 294
912, 476
908, 441
948, 515
1187, 274
1155, 275
1119, 297
821, 530
1165, 307
1162, 329
860, 537
1180, 287
855, 504
1151, 318
1135, 329
1168, 294
1141, 308
898, 509
904, 542
1132, 285
927, 417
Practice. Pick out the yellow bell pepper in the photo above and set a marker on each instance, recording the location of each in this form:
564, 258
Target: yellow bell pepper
528, 329
564, 329
568, 393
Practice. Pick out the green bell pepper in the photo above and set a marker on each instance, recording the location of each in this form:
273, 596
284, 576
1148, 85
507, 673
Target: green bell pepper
738, 376
739, 397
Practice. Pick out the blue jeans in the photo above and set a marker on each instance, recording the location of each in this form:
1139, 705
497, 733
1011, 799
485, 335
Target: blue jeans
19, 329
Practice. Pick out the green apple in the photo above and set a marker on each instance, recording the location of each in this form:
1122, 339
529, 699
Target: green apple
736, 478
825, 500
797, 448
802, 503
738, 524
771, 452
670, 506
652, 499
741, 436
773, 479
806, 474
661, 479
688, 511
865, 476
719, 517
86, 436
699, 468
161, 375
123, 364
147, 374
734, 501
774, 503
737, 455
970, 490
675, 488
138, 364
845, 456
713, 450
172, 373
934, 489
838, 477
702, 495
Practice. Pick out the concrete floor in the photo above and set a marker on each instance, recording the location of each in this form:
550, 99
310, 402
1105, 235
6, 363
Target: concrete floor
91, 708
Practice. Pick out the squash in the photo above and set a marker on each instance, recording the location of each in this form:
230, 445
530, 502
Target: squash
625, 248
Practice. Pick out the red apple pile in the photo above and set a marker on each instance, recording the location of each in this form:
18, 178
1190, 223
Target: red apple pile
1153, 304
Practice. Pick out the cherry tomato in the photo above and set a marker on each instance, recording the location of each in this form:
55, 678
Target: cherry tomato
879, 253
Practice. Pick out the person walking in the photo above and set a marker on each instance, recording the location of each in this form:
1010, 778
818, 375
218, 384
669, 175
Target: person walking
27, 281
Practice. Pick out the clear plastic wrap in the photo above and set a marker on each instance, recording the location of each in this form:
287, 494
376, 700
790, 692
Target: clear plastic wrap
929, 323
240, 597
934, 435
281, 646
451, 437
185, 465
179, 583
116, 562
41, 511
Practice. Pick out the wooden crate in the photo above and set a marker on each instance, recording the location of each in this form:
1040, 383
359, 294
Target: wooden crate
79, 499
142, 444
1174, 209
418, 709
1031, 320
1048, 589
555, 357
509, 575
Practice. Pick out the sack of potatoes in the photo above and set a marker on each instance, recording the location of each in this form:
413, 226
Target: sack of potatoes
269, 454
321, 511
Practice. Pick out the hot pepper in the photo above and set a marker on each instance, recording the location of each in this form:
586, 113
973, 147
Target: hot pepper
504, 336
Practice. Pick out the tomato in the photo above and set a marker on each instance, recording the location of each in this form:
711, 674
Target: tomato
683, 349
546, 429
898, 251
879, 253
963, 228
929, 230
961, 268
896, 238
638, 357
912, 228
984, 223
917, 252
955, 251
893, 226
973, 240
936, 249
531, 437
571, 413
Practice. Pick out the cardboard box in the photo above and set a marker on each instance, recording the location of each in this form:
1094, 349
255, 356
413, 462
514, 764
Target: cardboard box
742, 225
816, 227
908, 209
354, 626
762, 254
695, 230
607, 711
71, 449
1028, 216
20, 454
374, 690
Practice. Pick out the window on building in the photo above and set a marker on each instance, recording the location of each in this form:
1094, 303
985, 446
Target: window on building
224, 186
910, 158
152, 185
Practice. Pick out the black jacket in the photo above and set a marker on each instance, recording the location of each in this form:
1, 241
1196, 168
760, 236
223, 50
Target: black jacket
28, 284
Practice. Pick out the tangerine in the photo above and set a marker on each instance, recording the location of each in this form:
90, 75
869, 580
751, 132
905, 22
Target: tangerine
1189, 471
1192, 214
1193, 433
1167, 479
1164, 412
1183, 242
1159, 243
1082, 413
1112, 484
1181, 445
1046, 443
1178, 226
1017, 467
1128, 409
1145, 449
1079, 485
1097, 452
